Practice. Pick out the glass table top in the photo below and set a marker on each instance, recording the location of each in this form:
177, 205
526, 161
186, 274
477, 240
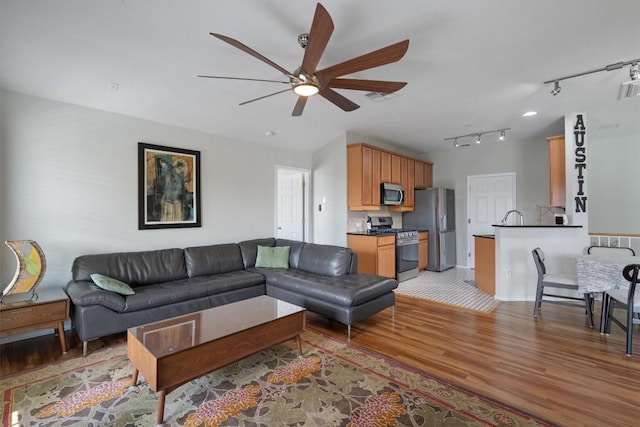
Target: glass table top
172, 335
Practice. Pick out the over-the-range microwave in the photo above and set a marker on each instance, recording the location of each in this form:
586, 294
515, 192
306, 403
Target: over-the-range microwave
391, 194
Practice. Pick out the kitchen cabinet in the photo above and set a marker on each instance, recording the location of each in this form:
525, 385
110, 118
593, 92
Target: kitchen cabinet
485, 267
407, 179
423, 250
368, 166
363, 178
557, 183
396, 168
376, 254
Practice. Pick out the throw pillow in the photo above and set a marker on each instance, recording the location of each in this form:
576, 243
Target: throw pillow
273, 257
110, 284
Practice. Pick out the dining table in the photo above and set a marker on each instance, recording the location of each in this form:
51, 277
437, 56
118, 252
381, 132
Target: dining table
598, 273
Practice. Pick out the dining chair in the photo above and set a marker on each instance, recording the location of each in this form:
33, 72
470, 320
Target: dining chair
627, 299
561, 281
604, 250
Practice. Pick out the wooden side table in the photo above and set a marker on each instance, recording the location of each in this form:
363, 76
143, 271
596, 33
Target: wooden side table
49, 310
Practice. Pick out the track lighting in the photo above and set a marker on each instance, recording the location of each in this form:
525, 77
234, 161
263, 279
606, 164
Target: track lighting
633, 71
478, 136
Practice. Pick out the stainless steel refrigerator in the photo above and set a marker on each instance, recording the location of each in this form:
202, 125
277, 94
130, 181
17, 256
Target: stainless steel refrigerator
434, 210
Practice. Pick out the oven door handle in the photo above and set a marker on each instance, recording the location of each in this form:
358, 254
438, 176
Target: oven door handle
406, 242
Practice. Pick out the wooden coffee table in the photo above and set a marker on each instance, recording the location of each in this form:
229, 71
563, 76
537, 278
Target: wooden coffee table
172, 352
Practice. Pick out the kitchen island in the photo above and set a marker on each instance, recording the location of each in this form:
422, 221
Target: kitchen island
515, 273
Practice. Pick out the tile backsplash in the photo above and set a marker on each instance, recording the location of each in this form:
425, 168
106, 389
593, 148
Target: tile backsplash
357, 220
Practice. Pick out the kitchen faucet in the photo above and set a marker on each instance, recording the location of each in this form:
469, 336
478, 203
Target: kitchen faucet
507, 215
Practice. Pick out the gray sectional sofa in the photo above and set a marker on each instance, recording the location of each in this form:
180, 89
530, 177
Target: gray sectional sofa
172, 282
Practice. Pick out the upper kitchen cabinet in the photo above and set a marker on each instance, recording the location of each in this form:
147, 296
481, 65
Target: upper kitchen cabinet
423, 175
363, 176
557, 184
368, 166
407, 179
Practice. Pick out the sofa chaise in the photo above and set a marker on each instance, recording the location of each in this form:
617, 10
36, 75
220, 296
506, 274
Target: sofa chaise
173, 282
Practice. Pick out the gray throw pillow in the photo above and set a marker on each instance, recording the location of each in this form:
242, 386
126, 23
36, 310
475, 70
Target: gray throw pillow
273, 256
110, 284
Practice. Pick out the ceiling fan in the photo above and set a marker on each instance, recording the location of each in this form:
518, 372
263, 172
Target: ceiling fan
306, 80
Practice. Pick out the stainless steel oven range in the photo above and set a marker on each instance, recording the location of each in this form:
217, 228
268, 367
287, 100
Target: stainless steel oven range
406, 246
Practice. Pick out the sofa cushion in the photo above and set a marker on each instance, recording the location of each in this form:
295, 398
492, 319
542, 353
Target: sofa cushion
134, 268
85, 292
348, 290
273, 257
110, 284
182, 290
325, 260
294, 253
213, 259
249, 249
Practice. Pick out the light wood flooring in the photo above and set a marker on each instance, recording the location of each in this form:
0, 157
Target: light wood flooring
554, 367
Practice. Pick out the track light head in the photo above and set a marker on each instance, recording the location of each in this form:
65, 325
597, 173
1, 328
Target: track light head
634, 72
479, 138
502, 135
556, 88
455, 143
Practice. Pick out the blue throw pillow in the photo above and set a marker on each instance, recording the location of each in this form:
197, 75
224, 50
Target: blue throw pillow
110, 284
273, 256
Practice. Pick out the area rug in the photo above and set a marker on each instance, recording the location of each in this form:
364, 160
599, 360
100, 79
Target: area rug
332, 384
452, 287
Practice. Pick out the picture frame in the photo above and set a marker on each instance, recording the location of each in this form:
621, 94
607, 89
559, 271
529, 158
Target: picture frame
168, 187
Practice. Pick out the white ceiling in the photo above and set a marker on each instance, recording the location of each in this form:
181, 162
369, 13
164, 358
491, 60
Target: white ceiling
471, 65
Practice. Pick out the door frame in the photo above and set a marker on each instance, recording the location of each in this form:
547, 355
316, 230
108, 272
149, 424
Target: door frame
306, 205
470, 238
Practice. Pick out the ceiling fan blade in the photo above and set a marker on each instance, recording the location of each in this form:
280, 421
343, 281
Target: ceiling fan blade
338, 100
242, 78
367, 85
263, 97
247, 49
321, 30
386, 55
297, 110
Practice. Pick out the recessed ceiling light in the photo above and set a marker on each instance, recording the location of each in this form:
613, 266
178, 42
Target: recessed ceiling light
530, 113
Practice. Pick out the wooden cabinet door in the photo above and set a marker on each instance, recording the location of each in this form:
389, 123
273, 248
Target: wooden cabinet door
385, 167
363, 170
396, 169
428, 175
387, 261
419, 175
367, 178
557, 184
409, 184
375, 176
423, 250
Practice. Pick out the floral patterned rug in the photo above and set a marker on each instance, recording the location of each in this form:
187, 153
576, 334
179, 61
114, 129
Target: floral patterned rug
332, 384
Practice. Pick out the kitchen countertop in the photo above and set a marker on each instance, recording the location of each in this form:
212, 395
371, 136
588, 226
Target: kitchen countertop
486, 236
536, 226
374, 234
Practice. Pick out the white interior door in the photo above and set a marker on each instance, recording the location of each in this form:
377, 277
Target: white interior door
290, 205
488, 199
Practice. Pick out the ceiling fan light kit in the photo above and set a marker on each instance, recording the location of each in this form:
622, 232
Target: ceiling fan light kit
307, 81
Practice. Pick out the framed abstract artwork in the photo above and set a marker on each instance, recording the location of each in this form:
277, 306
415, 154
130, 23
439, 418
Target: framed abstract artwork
168, 187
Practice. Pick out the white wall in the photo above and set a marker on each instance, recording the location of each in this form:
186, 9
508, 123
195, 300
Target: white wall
528, 159
330, 190
69, 179
613, 180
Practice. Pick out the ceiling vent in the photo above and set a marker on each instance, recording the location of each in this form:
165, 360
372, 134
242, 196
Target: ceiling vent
629, 89
379, 96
